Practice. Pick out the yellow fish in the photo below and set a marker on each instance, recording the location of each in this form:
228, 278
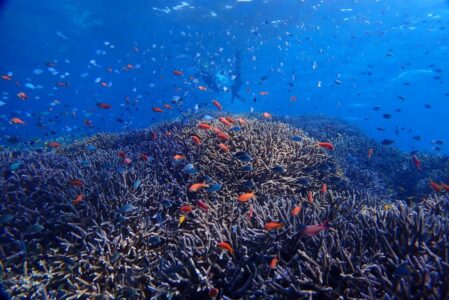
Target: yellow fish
182, 219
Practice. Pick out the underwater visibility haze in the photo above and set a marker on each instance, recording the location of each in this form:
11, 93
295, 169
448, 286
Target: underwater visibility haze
235, 149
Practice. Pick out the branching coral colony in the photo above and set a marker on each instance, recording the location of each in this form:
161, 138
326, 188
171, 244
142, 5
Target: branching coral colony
116, 216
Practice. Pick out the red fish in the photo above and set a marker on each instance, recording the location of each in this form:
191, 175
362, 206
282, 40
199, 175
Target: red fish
78, 199
223, 147
196, 139
144, 157
326, 145
201, 204
186, 209
168, 106
154, 136
445, 187
179, 157
241, 121
213, 292
224, 121
17, 121
417, 162
231, 120
127, 161
436, 186
225, 246
103, 105
62, 84
104, 84
121, 154
250, 212
53, 145
223, 136
202, 88
267, 115
310, 197
77, 182
156, 109
312, 230
293, 98
263, 93
324, 188
217, 104
370, 152
178, 73
205, 126
22, 96
6, 77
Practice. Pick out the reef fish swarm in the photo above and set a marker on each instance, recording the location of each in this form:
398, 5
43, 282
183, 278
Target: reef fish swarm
230, 207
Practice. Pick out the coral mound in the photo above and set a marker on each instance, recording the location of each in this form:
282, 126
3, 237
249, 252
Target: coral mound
114, 216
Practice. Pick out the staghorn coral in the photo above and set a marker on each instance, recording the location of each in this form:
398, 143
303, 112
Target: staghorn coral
124, 239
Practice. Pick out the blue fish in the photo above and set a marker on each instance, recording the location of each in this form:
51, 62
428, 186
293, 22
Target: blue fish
127, 208
208, 118
243, 156
91, 147
190, 169
120, 170
137, 184
214, 188
15, 166
236, 128
166, 203
155, 241
296, 138
247, 168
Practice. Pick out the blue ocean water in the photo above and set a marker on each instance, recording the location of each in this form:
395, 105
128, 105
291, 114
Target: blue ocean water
381, 65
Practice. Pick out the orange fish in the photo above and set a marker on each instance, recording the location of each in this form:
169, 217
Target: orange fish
103, 105
274, 263
196, 186
179, 157
205, 126
53, 145
324, 188
17, 121
224, 121
263, 93
196, 139
326, 145
202, 88
78, 199
178, 73
6, 77
77, 182
156, 109
246, 197
436, 186
295, 211
273, 225
370, 152
22, 96
217, 104
168, 106
225, 246
267, 115
223, 147
186, 208
310, 197
223, 136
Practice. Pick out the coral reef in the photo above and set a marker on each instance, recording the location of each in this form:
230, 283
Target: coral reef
115, 216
